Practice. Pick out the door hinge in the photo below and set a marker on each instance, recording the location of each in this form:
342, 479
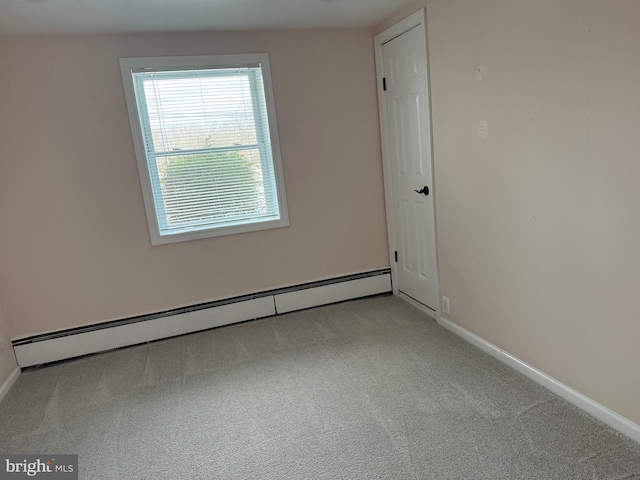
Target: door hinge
396, 255
384, 83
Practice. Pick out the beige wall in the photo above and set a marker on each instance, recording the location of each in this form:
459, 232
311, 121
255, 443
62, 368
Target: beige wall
538, 224
74, 244
7, 358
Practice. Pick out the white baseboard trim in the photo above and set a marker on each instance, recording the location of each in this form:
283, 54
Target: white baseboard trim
602, 413
8, 383
55, 346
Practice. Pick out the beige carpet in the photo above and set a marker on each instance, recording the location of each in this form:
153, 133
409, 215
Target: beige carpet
369, 389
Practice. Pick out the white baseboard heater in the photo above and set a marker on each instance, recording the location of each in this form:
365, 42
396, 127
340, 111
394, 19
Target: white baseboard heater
76, 342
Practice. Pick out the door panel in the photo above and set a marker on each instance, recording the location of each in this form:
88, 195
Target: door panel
405, 68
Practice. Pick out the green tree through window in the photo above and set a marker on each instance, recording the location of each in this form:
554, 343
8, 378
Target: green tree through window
210, 177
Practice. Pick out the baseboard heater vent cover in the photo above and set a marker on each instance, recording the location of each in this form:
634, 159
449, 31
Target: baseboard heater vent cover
85, 340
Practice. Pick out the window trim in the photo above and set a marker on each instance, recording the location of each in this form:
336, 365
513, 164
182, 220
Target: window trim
130, 65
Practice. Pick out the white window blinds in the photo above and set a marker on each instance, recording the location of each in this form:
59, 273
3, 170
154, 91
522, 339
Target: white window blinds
206, 140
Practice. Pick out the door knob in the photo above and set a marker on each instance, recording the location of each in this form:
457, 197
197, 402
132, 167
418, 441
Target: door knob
424, 191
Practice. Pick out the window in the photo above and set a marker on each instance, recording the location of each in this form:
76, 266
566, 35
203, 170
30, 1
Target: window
205, 136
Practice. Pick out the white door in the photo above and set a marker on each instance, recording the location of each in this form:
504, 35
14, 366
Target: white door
409, 140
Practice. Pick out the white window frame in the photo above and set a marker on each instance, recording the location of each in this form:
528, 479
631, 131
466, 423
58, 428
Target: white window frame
128, 66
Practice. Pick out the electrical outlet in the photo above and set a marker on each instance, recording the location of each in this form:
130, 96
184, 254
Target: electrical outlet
446, 305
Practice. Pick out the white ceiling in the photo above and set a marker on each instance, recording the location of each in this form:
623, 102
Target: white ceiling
101, 16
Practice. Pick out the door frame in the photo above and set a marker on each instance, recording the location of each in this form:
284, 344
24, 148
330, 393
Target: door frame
403, 26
